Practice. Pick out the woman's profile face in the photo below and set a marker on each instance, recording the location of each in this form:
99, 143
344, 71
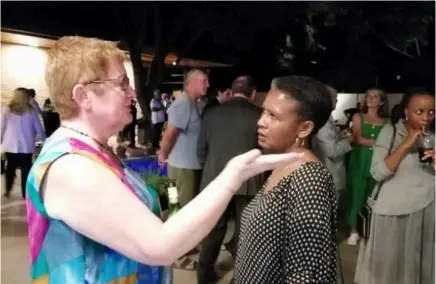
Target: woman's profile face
420, 111
112, 106
278, 125
373, 99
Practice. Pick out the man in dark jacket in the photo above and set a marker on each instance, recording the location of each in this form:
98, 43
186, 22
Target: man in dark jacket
227, 130
216, 101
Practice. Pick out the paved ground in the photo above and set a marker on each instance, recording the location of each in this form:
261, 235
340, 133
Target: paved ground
14, 248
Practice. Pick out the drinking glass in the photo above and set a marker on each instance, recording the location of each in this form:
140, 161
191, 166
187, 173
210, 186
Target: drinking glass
425, 143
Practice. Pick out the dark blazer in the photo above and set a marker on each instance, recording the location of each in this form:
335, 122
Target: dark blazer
213, 102
228, 130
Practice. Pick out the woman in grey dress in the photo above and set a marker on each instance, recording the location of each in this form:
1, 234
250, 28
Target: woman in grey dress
400, 249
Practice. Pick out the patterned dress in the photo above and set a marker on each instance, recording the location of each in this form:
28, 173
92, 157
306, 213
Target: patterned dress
288, 233
59, 254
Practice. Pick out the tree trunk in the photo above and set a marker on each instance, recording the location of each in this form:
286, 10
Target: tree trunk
139, 74
144, 125
155, 72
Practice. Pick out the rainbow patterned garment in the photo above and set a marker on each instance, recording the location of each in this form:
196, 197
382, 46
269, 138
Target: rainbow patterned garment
60, 255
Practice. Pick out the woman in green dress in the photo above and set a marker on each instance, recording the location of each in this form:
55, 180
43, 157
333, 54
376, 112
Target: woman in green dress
366, 128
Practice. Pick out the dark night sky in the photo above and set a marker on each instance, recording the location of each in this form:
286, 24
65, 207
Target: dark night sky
258, 58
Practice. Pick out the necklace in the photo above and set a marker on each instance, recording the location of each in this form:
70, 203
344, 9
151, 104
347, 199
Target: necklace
108, 150
87, 135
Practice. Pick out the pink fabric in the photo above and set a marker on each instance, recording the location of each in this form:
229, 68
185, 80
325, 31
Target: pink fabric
77, 144
38, 226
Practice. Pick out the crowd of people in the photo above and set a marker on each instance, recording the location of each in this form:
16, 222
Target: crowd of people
20, 126
279, 170
358, 159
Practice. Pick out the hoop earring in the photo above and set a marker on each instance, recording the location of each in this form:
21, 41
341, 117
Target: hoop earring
299, 142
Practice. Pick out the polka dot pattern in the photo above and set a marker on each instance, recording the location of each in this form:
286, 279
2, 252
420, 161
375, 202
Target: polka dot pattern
305, 202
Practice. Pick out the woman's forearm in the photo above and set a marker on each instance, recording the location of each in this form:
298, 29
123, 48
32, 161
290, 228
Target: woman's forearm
365, 141
193, 222
393, 160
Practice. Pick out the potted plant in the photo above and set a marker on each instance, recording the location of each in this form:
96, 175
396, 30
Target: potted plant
158, 183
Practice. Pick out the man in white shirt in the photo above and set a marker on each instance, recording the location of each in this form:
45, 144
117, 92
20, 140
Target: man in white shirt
157, 118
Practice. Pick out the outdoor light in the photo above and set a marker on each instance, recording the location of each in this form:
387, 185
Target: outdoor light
313, 62
398, 77
174, 63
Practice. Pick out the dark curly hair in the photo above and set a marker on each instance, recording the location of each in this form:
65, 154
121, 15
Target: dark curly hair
408, 95
313, 97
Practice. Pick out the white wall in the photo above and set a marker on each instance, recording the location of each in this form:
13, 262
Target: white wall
24, 66
346, 101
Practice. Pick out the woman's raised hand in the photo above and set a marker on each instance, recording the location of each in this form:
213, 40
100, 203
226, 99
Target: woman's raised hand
252, 163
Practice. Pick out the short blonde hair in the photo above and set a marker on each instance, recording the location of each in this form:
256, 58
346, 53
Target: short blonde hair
74, 60
20, 101
191, 74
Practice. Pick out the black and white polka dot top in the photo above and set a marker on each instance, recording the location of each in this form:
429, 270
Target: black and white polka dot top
306, 197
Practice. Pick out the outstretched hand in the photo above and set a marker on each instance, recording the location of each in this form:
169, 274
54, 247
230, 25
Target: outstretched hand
252, 163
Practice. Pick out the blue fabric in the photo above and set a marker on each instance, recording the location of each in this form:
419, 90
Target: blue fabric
184, 114
143, 164
63, 255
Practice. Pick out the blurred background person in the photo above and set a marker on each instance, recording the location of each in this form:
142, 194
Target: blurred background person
179, 143
157, 118
51, 118
215, 100
331, 146
20, 127
401, 244
228, 129
367, 125
33, 101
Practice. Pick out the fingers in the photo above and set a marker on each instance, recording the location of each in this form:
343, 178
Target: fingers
249, 156
429, 154
161, 162
269, 162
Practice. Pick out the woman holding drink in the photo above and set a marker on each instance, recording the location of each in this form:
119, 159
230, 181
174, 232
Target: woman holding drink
400, 248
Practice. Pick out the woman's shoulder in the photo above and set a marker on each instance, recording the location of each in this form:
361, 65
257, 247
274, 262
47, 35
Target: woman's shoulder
311, 174
312, 181
357, 116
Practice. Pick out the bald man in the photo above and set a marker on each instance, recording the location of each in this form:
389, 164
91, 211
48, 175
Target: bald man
179, 142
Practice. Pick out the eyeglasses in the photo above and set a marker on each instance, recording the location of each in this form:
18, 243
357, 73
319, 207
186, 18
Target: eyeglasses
124, 84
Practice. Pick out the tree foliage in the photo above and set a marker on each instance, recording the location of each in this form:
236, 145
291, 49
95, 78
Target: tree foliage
402, 26
341, 37
233, 26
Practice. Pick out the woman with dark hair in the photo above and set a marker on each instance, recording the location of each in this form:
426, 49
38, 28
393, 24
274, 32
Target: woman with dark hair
400, 247
288, 230
51, 118
367, 125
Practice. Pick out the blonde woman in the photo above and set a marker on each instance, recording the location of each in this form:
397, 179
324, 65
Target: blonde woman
81, 194
19, 128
